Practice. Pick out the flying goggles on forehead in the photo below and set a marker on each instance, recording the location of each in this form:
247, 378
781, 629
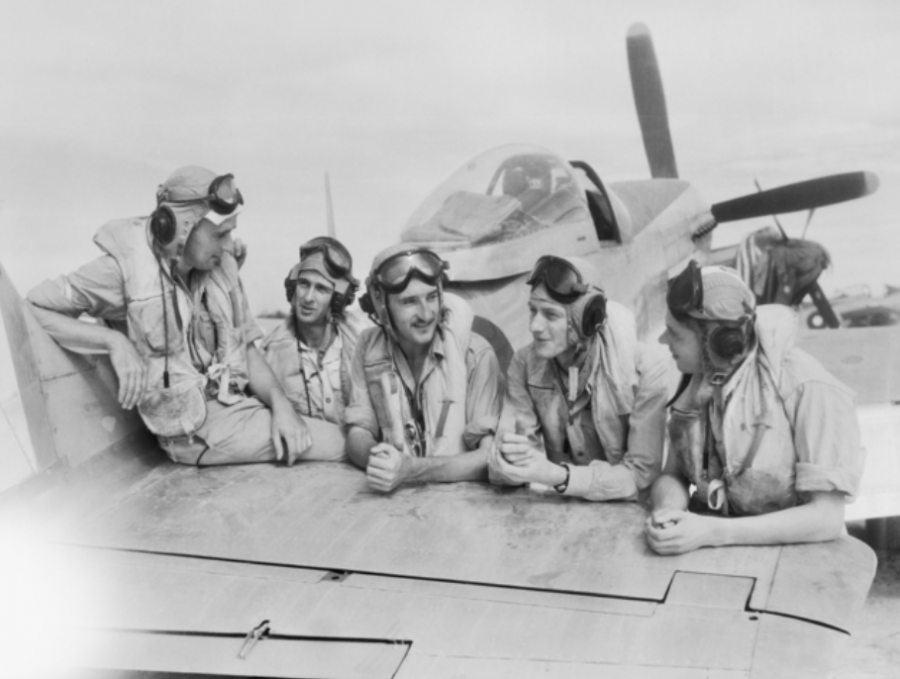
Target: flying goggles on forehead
686, 291
337, 259
395, 272
223, 196
563, 281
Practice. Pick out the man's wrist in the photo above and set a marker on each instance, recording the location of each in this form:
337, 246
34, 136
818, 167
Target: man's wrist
562, 471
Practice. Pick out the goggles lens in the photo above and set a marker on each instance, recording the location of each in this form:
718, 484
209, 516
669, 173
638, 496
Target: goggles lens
337, 261
395, 272
562, 280
686, 291
223, 196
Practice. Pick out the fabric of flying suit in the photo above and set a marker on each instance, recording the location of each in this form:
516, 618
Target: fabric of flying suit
780, 428
457, 400
316, 383
612, 435
198, 334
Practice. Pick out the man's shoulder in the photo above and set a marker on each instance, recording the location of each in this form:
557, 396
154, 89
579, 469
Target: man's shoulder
801, 369
281, 335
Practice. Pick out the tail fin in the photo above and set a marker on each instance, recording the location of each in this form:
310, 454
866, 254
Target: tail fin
70, 400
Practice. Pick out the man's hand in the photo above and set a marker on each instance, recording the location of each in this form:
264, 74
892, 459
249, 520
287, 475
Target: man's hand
675, 531
387, 468
290, 435
516, 461
130, 369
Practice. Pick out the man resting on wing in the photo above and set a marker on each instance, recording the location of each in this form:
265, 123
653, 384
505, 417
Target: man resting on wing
311, 352
425, 390
765, 435
178, 329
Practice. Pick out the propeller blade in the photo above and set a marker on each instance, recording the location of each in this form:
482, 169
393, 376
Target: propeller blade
777, 223
806, 195
650, 101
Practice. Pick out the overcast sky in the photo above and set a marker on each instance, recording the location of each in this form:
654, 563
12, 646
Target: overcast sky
100, 101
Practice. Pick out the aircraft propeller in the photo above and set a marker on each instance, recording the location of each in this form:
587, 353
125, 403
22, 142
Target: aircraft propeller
650, 101
806, 195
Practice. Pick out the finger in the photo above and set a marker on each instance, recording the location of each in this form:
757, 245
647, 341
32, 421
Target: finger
276, 442
514, 438
131, 382
379, 476
519, 448
377, 462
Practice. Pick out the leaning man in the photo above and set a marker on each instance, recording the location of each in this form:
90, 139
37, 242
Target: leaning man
311, 352
765, 435
177, 328
425, 390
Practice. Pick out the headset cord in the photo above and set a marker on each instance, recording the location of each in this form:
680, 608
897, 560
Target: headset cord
162, 285
302, 369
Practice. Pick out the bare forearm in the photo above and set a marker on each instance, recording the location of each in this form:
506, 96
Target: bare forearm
817, 521
669, 492
359, 443
75, 335
470, 466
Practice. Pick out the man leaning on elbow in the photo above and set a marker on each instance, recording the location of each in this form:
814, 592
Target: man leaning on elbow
766, 435
425, 390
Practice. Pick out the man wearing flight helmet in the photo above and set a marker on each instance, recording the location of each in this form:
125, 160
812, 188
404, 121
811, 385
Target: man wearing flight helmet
311, 353
759, 427
181, 334
587, 399
425, 390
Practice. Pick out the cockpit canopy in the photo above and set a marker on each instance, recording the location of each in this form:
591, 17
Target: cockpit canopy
504, 194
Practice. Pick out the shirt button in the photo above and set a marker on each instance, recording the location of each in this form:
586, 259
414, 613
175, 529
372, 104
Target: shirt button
327, 400
580, 454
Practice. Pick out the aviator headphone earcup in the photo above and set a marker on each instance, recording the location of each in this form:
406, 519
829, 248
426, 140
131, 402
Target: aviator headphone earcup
727, 342
340, 302
365, 303
594, 314
163, 225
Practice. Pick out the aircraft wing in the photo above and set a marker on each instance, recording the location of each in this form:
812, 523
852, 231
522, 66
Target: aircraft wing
432, 581
868, 361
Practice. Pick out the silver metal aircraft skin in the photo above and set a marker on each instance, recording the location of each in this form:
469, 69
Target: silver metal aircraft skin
268, 571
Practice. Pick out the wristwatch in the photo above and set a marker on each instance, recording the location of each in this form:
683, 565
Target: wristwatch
561, 488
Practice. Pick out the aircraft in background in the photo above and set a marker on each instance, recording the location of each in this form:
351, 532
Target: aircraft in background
494, 216
266, 571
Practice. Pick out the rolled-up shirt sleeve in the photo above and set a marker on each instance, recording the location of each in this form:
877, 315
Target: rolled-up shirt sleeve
827, 439
484, 392
96, 289
359, 411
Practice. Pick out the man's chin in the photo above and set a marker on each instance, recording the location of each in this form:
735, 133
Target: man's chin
421, 336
